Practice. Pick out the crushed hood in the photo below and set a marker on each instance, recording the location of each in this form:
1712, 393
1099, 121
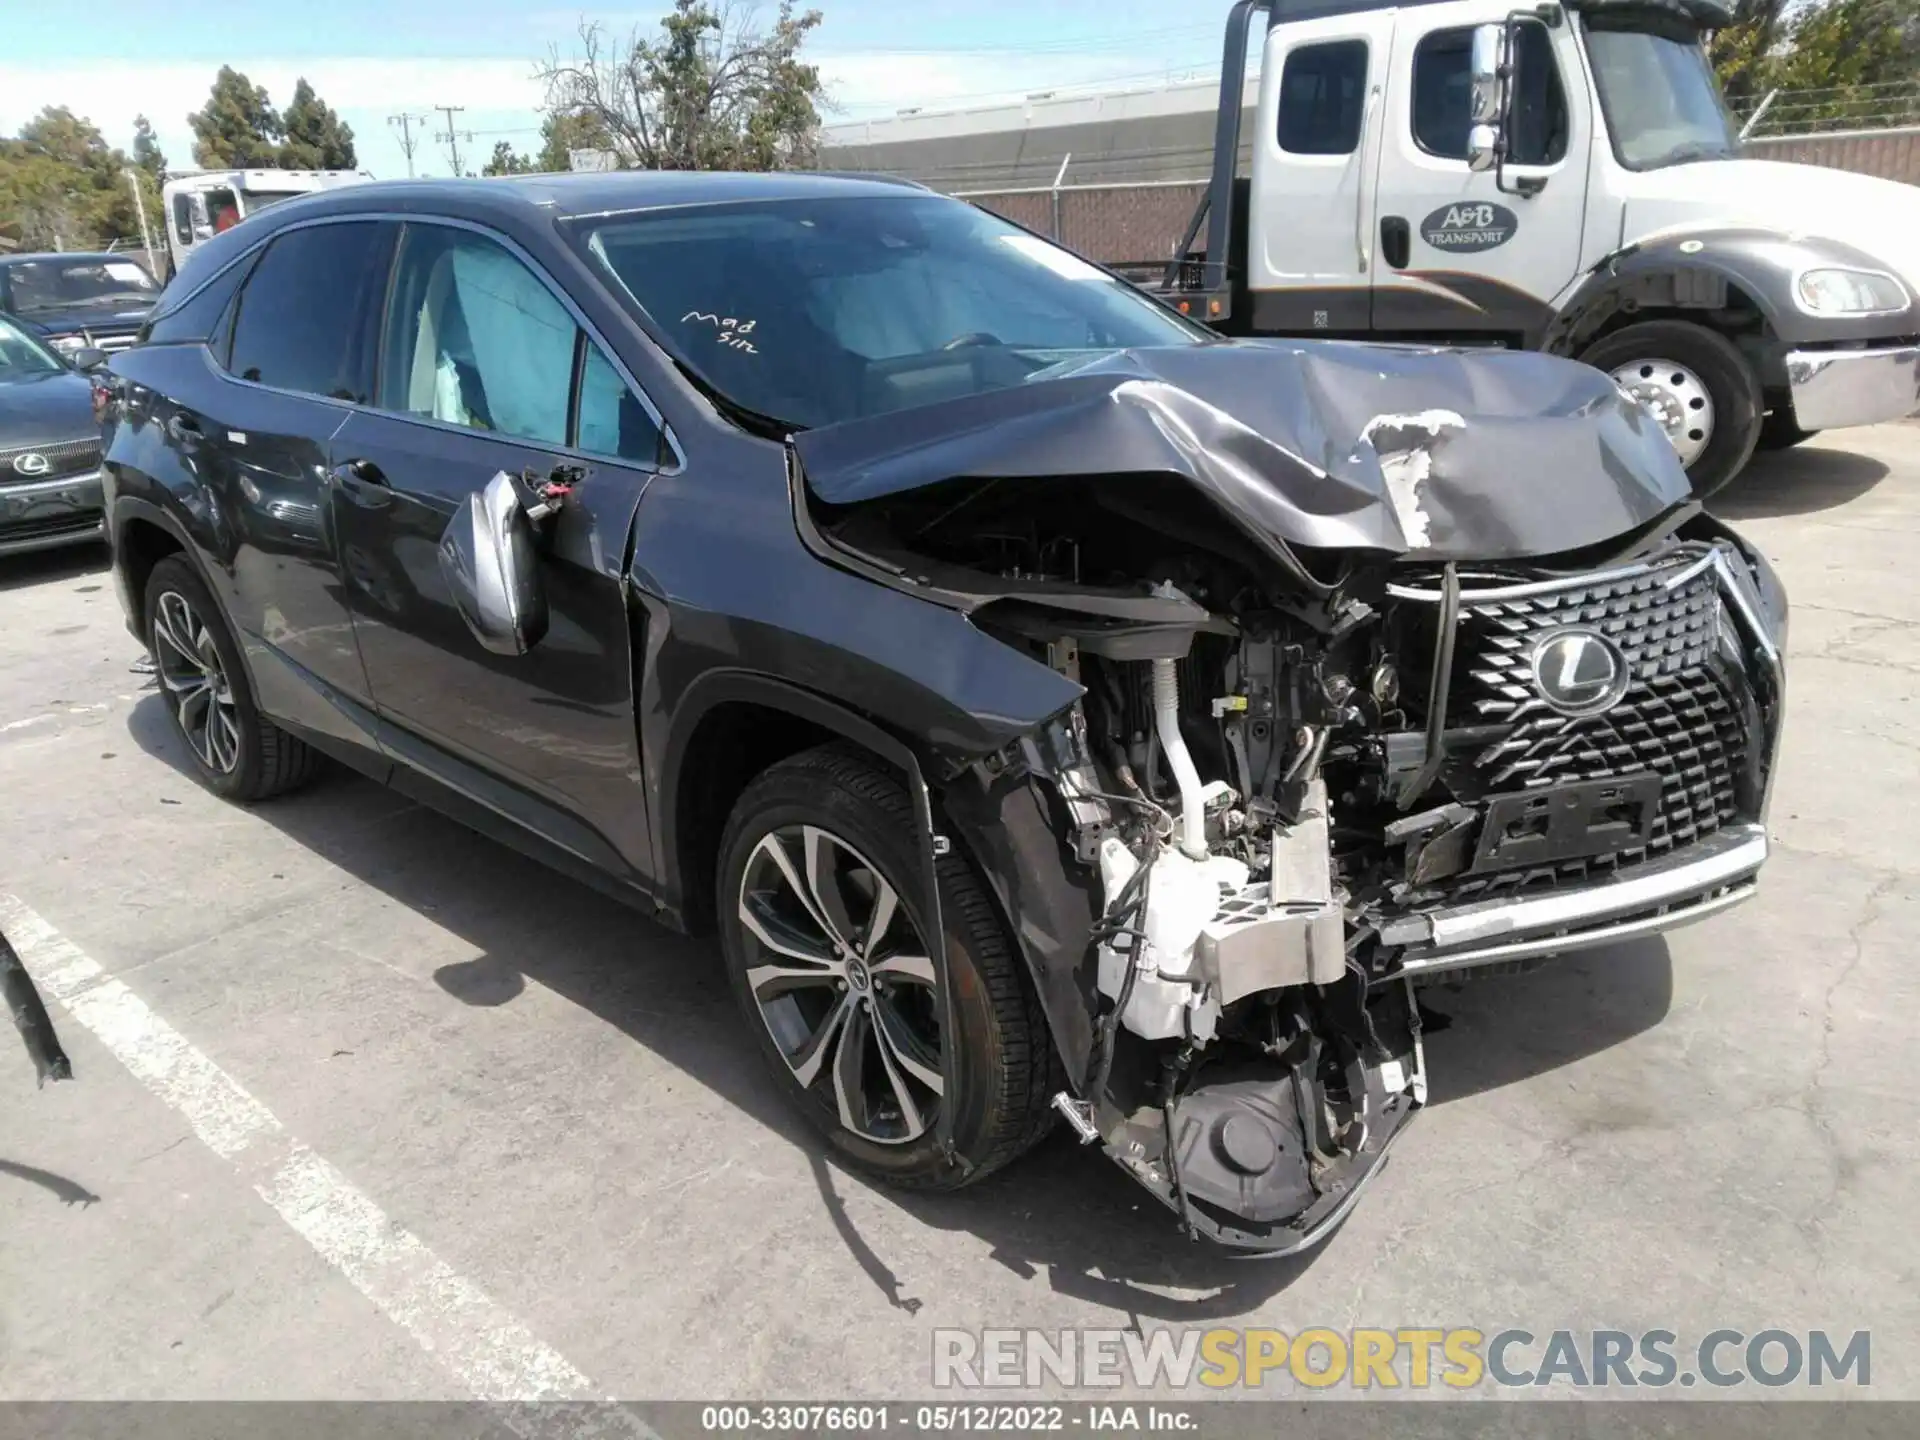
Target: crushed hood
1443, 454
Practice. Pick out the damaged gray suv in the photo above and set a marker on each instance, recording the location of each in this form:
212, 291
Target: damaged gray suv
1060, 711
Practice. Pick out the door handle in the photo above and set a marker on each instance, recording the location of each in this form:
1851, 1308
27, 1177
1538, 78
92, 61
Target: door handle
1396, 238
365, 482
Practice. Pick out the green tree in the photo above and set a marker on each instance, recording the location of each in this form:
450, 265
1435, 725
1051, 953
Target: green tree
146, 151
563, 132
63, 187
505, 162
237, 127
710, 91
1852, 61
316, 138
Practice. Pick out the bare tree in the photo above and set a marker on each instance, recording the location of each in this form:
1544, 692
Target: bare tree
710, 91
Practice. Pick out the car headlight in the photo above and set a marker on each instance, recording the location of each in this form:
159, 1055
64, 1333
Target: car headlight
1850, 292
69, 344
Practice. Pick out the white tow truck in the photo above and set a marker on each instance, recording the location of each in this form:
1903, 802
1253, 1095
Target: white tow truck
199, 204
1562, 177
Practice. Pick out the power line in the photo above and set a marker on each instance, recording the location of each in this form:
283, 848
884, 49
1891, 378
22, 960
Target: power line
451, 138
407, 142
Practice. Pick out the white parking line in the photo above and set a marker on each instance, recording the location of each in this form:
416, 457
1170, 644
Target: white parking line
454, 1320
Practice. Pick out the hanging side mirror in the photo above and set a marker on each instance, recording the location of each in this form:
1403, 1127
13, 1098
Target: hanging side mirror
88, 359
490, 563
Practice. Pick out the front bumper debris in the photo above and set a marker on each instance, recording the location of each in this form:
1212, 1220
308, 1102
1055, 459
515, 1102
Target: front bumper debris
1833, 389
1707, 877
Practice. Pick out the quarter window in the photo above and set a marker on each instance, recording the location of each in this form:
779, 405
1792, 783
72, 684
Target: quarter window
183, 219
1442, 97
475, 339
611, 420
302, 321
1323, 91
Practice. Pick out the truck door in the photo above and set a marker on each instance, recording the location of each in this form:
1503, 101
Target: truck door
1310, 211
1456, 253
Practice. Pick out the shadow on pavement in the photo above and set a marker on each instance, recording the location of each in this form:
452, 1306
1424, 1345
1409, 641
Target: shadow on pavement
41, 567
1063, 1215
1797, 482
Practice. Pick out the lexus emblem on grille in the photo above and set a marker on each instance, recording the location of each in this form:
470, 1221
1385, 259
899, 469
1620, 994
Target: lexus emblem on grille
1579, 672
32, 464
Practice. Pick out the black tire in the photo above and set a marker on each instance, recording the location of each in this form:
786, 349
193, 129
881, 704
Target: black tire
1723, 371
265, 760
1778, 432
1006, 1069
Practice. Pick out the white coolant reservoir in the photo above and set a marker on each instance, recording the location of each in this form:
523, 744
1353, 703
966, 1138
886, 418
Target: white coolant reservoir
1182, 896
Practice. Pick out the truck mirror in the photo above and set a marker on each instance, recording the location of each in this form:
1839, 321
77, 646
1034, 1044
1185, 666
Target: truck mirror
1483, 147
1489, 70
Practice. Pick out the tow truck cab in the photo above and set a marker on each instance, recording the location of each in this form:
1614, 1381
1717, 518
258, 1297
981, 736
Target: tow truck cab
199, 204
1562, 177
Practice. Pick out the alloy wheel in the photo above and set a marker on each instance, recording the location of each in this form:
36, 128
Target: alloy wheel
843, 982
196, 683
1676, 399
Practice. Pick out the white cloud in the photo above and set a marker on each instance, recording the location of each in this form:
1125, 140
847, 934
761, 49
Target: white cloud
501, 94
495, 92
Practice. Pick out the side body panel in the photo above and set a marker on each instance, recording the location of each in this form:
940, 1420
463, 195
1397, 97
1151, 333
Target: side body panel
556, 722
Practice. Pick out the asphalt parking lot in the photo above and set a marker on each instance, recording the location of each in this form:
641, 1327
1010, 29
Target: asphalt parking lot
527, 1129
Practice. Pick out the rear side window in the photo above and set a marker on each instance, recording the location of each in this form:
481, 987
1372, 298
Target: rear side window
1323, 91
304, 318
198, 318
1442, 97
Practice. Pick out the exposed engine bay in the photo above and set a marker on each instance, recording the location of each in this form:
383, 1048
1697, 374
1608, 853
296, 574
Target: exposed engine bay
1301, 779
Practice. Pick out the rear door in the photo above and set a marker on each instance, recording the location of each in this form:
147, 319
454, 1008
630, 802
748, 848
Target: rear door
485, 367
1457, 253
295, 353
1311, 210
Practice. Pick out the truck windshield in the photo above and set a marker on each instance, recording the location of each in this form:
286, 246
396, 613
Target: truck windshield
1657, 91
810, 312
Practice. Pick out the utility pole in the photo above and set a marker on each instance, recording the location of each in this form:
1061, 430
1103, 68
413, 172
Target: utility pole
407, 142
140, 204
453, 137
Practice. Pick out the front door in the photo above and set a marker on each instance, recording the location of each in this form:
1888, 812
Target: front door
1310, 207
485, 369
1454, 252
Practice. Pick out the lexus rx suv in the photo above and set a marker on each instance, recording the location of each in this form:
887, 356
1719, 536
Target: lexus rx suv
1062, 713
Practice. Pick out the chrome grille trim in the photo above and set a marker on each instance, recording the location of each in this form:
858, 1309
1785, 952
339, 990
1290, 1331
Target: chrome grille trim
64, 457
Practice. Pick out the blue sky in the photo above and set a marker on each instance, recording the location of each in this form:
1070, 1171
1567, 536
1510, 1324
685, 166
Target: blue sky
370, 59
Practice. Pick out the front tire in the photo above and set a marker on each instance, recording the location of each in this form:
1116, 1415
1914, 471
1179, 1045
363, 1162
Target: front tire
1696, 385
236, 751
822, 919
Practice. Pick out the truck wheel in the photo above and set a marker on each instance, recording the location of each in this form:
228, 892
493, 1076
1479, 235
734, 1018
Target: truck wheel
822, 922
1697, 387
1778, 432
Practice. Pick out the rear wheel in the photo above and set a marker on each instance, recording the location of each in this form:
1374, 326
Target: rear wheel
1696, 386
823, 923
236, 751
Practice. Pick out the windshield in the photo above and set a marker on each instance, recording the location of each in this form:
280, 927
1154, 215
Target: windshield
1658, 92
21, 355
38, 286
810, 312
